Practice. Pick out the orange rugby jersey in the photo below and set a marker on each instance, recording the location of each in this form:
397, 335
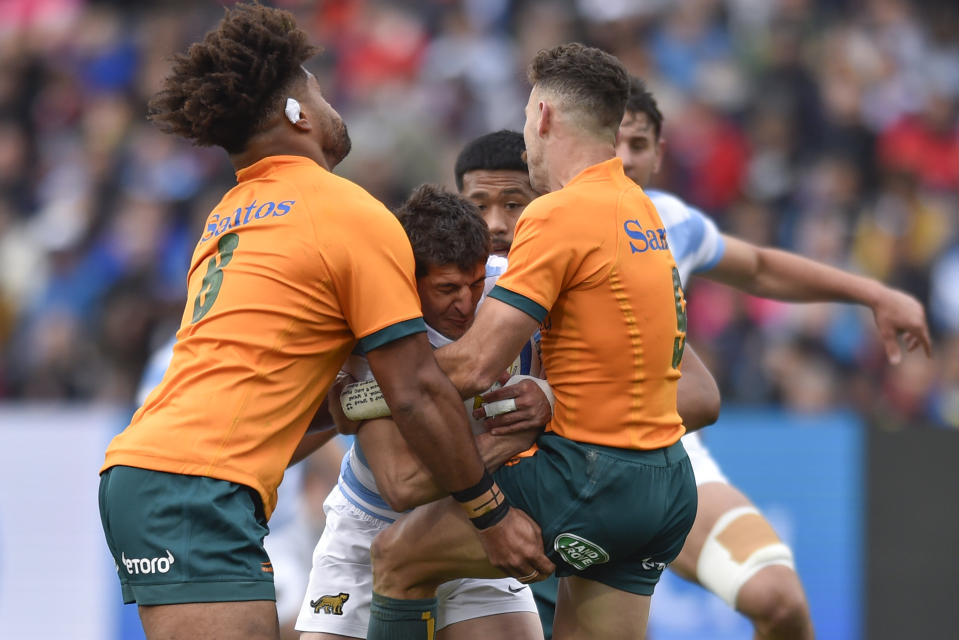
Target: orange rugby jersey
591, 263
294, 266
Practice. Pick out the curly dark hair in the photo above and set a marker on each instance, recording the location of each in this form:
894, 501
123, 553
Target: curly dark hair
497, 151
641, 100
224, 88
444, 228
590, 80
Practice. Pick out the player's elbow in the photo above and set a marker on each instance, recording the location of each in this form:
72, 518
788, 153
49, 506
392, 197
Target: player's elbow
398, 498
401, 490
698, 402
702, 410
710, 409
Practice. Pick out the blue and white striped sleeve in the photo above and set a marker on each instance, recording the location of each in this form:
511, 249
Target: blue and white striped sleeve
711, 246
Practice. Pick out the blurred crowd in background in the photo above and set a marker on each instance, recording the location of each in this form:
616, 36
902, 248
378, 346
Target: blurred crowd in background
826, 127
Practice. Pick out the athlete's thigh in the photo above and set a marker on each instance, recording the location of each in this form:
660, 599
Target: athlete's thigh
339, 591
516, 626
432, 544
586, 609
483, 608
714, 499
251, 620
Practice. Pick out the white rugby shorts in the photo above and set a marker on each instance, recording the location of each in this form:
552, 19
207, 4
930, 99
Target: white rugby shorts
705, 468
340, 589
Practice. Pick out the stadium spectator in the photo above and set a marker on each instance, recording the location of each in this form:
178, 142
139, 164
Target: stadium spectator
818, 98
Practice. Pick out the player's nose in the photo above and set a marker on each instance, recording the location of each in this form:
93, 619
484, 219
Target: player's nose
496, 220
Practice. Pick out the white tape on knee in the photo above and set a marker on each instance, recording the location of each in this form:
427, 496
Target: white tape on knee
722, 574
363, 401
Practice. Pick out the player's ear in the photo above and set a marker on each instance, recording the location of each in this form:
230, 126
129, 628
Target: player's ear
660, 151
545, 117
294, 115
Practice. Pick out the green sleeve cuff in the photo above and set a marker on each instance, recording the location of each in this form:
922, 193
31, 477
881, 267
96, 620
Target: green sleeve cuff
391, 333
534, 309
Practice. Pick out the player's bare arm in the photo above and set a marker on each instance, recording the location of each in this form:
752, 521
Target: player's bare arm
426, 410
773, 273
402, 479
475, 361
322, 429
697, 396
311, 442
698, 399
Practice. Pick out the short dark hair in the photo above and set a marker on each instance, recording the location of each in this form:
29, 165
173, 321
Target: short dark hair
641, 100
444, 228
497, 151
595, 82
224, 88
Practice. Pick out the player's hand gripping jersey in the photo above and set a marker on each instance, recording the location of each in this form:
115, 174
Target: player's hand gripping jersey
592, 263
294, 266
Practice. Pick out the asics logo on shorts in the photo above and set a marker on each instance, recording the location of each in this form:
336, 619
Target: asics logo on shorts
137, 566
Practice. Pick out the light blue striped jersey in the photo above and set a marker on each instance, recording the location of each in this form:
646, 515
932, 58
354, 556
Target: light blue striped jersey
693, 236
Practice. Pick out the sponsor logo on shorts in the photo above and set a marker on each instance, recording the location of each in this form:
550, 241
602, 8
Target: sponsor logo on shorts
578, 552
649, 565
146, 566
330, 604
512, 590
266, 567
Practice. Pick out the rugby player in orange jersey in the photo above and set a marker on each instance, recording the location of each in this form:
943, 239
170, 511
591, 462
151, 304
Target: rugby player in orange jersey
295, 266
610, 482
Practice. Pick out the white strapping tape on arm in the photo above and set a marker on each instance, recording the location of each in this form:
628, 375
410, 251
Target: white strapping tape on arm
363, 401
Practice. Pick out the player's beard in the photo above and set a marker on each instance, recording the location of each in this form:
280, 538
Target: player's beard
339, 144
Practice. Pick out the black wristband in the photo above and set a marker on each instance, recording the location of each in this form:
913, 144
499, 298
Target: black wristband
471, 493
484, 503
490, 518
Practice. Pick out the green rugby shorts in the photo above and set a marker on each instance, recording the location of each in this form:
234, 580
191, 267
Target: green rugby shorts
179, 538
617, 516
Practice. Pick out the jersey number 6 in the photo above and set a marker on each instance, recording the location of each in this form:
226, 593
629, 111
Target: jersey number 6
210, 288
